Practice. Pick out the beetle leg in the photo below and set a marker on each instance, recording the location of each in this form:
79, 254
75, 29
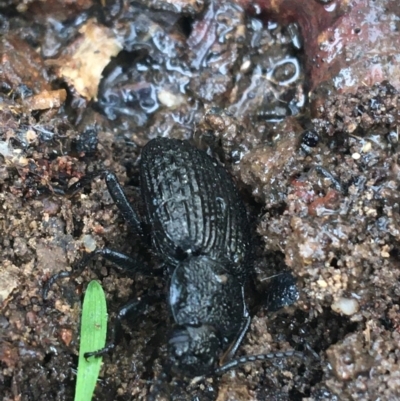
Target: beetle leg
231, 351
117, 258
117, 194
281, 291
161, 386
125, 262
133, 308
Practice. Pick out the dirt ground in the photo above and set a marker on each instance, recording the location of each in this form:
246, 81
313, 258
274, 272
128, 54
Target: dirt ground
316, 156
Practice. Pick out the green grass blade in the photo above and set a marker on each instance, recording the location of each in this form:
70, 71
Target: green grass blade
93, 337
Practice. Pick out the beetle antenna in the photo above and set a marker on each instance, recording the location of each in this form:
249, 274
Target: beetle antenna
252, 358
49, 283
234, 363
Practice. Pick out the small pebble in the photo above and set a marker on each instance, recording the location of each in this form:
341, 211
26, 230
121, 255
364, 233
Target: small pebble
89, 243
346, 306
170, 99
245, 66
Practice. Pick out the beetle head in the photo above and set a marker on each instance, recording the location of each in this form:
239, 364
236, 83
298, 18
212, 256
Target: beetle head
193, 351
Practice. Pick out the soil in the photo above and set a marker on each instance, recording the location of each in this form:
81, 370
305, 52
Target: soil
85, 84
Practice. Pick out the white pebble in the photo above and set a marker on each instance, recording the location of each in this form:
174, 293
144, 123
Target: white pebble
245, 66
89, 243
346, 306
169, 99
5, 149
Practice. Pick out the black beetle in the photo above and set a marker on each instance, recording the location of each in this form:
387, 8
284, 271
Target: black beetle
199, 227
